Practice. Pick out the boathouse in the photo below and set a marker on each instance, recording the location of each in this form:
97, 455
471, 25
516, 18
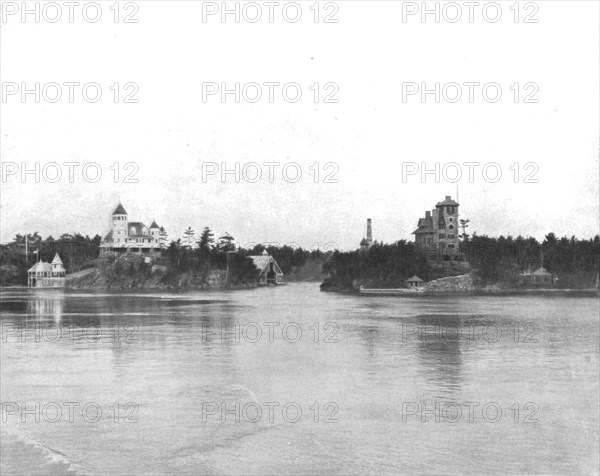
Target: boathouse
47, 275
270, 272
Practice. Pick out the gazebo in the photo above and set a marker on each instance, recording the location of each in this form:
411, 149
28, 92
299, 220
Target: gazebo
414, 282
541, 276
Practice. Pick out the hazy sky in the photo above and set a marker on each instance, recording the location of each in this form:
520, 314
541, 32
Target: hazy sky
368, 134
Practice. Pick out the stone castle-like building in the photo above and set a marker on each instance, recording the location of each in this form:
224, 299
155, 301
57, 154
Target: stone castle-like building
438, 231
127, 235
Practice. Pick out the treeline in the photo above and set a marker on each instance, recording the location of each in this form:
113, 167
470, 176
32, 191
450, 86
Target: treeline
289, 257
195, 257
207, 256
502, 260
76, 251
380, 266
200, 261
575, 262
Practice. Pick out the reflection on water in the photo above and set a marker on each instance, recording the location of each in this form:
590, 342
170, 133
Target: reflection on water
44, 304
440, 351
175, 355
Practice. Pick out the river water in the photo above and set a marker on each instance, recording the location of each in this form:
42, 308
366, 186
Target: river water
290, 380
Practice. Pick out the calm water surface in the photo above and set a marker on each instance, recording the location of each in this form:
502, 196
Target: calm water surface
373, 385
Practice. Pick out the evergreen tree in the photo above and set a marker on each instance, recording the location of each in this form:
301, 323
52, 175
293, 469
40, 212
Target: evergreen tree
206, 240
188, 237
163, 237
225, 243
464, 224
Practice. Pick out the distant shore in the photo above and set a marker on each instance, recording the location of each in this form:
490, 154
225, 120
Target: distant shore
592, 292
392, 292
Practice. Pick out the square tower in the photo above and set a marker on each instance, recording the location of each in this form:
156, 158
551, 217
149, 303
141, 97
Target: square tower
445, 223
119, 225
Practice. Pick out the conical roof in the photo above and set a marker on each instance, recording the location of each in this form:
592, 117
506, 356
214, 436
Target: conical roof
119, 210
541, 271
57, 259
154, 225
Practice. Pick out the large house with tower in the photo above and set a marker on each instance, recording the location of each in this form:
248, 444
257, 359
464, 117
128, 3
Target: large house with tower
437, 232
126, 235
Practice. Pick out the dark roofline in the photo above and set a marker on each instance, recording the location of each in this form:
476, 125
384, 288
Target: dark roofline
447, 202
119, 210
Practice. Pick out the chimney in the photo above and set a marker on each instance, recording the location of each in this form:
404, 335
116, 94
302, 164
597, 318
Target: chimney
369, 231
448, 197
427, 214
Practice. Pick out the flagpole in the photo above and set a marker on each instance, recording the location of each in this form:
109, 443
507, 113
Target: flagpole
457, 201
25, 249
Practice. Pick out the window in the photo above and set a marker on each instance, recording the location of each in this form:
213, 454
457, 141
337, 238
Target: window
451, 210
451, 227
450, 219
442, 236
451, 236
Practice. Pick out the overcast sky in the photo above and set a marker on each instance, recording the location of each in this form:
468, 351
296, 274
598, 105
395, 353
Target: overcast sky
367, 135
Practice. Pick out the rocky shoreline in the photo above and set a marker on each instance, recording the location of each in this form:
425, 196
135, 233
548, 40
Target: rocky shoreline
463, 285
101, 278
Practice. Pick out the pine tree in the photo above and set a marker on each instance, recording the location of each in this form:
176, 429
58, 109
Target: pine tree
188, 237
225, 243
206, 239
163, 237
464, 224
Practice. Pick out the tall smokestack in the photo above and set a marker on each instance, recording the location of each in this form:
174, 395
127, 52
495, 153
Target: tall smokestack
369, 231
